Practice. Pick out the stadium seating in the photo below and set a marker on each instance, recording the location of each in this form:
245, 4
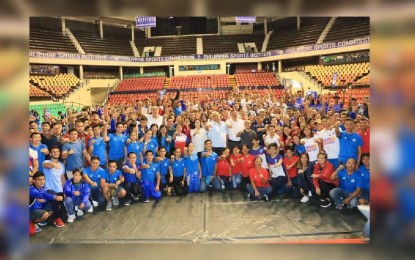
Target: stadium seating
256, 79
59, 86
286, 34
170, 46
146, 83
345, 28
54, 108
35, 92
92, 43
229, 43
49, 39
363, 81
199, 81
347, 73
245, 68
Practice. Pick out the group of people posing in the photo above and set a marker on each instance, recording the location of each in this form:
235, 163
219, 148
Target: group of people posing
261, 145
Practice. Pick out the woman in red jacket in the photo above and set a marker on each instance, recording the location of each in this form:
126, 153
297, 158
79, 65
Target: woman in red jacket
246, 165
223, 176
321, 179
259, 188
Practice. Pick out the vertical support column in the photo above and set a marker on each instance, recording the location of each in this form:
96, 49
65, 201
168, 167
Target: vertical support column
121, 73
279, 66
218, 25
148, 32
81, 72
171, 71
259, 66
63, 26
132, 33
101, 29
265, 26
141, 70
298, 23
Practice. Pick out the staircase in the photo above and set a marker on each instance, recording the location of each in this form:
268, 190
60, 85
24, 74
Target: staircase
302, 78
166, 84
134, 48
232, 81
266, 40
326, 30
74, 41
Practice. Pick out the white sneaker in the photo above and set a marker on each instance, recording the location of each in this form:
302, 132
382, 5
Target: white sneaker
310, 194
109, 206
71, 218
305, 198
115, 201
95, 203
76, 208
91, 209
80, 212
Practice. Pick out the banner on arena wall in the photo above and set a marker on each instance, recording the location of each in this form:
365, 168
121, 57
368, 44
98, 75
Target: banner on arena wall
273, 53
145, 21
333, 82
245, 19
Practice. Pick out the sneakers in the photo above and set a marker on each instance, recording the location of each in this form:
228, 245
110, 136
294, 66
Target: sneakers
339, 206
71, 218
115, 201
265, 197
91, 209
325, 204
42, 224
147, 201
249, 195
38, 229
305, 198
58, 223
135, 197
127, 203
109, 206
80, 212
95, 203
310, 194
322, 199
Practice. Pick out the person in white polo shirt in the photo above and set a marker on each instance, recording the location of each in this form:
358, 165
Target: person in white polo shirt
216, 130
234, 125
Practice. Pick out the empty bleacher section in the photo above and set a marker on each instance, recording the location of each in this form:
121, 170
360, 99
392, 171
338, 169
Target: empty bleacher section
363, 81
229, 43
129, 98
53, 108
115, 40
138, 84
59, 86
38, 94
347, 73
345, 28
170, 46
245, 68
199, 81
286, 34
46, 34
256, 79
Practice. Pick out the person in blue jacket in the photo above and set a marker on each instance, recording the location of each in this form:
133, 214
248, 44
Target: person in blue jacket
150, 176
164, 164
364, 171
208, 164
193, 169
178, 173
132, 179
40, 200
77, 194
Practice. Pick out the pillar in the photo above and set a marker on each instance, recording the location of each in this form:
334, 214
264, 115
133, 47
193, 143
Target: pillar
259, 66
265, 26
298, 23
132, 33
63, 26
81, 72
218, 25
121, 73
101, 29
141, 70
279, 66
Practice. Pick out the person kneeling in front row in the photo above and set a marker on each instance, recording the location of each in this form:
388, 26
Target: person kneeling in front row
259, 186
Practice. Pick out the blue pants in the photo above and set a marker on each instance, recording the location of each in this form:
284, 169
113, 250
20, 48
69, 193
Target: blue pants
193, 182
204, 182
219, 181
338, 195
278, 184
264, 191
97, 195
71, 203
236, 180
149, 190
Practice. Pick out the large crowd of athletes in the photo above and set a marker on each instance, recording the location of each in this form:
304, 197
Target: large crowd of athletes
309, 147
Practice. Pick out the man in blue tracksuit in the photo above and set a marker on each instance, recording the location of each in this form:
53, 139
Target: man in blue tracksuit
150, 176
116, 143
40, 200
77, 196
92, 176
208, 165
